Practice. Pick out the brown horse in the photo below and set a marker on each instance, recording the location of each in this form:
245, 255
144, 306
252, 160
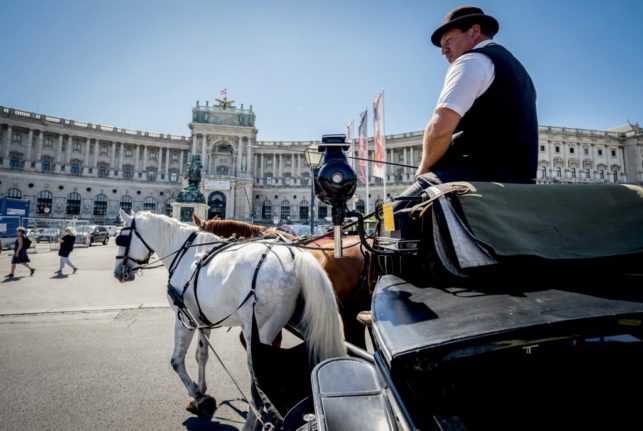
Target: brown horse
350, 276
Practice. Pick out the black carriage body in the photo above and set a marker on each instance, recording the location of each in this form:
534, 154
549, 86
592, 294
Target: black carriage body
547, 340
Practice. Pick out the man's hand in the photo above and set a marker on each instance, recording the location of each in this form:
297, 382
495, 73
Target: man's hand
437, 138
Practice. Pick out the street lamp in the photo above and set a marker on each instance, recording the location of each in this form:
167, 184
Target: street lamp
313, 157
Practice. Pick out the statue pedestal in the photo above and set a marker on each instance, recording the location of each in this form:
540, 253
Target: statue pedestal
183, 211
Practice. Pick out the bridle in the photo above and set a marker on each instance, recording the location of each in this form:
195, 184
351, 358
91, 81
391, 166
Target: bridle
123, 240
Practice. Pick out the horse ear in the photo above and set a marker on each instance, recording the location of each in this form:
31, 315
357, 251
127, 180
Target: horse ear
126, 218
197, 221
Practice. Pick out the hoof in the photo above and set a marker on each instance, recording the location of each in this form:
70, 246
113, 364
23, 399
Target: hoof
203, 407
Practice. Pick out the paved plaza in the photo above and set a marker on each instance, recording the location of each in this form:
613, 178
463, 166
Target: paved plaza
85, 352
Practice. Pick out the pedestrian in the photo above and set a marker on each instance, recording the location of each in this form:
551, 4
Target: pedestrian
20, 255
484, 126
66, 247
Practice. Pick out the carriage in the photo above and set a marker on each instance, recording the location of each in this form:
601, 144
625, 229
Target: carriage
497, 306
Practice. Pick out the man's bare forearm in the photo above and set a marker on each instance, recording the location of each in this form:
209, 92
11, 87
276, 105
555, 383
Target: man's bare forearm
437, 138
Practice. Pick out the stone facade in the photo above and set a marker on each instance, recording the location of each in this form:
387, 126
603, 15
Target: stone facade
70, 168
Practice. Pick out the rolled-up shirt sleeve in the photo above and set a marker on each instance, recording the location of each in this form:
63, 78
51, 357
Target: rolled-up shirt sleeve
468, 77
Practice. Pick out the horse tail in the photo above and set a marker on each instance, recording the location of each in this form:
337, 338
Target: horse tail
322, 327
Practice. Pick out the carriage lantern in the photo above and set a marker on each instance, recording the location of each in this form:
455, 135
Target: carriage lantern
335, 182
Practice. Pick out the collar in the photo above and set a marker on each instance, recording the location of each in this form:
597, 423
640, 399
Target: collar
484, 43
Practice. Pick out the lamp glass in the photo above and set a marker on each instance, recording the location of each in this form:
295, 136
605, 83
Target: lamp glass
313, 156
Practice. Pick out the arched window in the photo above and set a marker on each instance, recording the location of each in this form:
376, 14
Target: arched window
266, 210
573, 172
559, 172
149, 204
543, 172
44, 202
285, 210
168, 207
100, 205
126, 204
14, 193
615, 176
73, 203
303, 210
601, 174
587, 174
322, 211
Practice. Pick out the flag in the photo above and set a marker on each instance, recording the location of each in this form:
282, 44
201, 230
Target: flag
349, 140
362, 148
378, 136
223, 93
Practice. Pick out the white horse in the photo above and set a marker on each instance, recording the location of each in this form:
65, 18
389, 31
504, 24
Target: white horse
223, 291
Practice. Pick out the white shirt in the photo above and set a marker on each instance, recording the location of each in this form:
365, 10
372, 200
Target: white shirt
468, 77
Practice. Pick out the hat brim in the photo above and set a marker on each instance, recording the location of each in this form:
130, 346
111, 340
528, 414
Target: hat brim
475, 18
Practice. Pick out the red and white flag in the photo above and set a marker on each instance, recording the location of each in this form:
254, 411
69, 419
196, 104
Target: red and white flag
223, 93
378, 124
363, 146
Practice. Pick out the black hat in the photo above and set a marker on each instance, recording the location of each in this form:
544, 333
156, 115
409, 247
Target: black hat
465, 15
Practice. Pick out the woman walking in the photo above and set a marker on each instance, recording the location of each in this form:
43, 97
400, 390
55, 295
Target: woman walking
66, 247
20, 255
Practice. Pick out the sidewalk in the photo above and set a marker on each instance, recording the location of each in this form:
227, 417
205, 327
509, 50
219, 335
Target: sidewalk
93, 287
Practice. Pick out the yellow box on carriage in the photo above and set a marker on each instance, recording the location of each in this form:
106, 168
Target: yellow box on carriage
389, 220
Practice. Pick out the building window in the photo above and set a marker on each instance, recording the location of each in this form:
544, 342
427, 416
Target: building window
168, 207
573, 172
44, 202
586, 151
305, 180
222, 170
47, 164
224, 148
15, 161
601, 174
285, 210
360, 207
128, 171
73, 204
288, 162
559, 172
151, 174
48, 143
128, 153
615, 175
126, 204
103, 149
289, 181
557, 149
103, 170
587, 174
600, 152
322, 211
268, 180
75, 168
76, 147
100, 205
542, 148
174, 157
269, 162
613, 153
266, 210
17, 138
571, 150
149, 204
152, 155
14, 193
543, 172
174, 176
303, 210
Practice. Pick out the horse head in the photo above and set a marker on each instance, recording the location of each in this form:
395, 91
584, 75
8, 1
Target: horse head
133, 251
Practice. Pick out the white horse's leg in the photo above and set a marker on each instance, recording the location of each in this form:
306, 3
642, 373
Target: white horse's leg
202, 358
182, 340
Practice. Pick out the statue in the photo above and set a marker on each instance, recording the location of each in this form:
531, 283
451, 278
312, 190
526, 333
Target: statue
193, 174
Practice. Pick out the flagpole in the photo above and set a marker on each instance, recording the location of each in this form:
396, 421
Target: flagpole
384, 144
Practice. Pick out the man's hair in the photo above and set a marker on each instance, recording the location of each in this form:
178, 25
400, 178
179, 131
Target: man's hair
484, 27
21, 230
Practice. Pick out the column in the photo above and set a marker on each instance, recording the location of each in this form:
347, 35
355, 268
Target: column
181, 163
193, 148
7, 145
204, 145
29, 147
39, 151
95, 164
261, 167
167, 164
86, 161
121, 152
136, 158
70, 144
144, 167
239, 156
112, 162
249, 159
281, 168
59, 158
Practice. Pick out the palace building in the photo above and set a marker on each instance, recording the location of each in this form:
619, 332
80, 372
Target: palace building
73, 169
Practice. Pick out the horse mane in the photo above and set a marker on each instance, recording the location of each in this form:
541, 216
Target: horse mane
168, 236
226, 228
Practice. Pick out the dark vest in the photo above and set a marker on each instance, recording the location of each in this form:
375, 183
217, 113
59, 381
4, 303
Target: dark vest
499, 134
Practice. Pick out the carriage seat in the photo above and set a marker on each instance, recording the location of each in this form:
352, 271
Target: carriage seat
493, 223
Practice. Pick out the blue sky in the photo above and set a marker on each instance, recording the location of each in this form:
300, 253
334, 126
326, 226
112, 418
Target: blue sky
307, 67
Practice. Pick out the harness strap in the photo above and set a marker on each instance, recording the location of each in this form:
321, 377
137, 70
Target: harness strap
184, 248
